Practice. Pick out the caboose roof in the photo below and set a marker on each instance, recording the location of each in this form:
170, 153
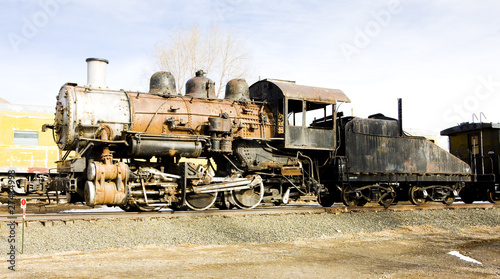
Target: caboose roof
272, 90
469, 127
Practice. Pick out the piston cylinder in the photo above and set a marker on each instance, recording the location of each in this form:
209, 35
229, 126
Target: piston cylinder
106, 171
104, 193
107, 184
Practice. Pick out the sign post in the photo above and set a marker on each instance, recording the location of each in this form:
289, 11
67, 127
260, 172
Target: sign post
23, 206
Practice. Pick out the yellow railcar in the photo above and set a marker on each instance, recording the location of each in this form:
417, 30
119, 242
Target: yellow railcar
24, 149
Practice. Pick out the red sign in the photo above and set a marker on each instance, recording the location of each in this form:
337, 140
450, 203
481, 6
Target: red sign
23, 203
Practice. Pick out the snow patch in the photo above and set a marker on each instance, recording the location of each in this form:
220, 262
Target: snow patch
464, 258
97, 209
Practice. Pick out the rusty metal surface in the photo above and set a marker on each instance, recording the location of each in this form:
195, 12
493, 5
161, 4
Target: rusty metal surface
372, 147
219, 124
272, 90
200, 86
109, 184
190, 116
163, 84
237, 89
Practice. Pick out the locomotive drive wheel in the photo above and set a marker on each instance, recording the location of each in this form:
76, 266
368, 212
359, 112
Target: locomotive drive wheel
415, 196
248, 198
200, 201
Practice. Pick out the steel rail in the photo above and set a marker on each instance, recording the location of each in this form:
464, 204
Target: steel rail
49, 218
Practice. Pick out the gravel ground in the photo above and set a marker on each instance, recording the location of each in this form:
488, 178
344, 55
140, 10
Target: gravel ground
85, 236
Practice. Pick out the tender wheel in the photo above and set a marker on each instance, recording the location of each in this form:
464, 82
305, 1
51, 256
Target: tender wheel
450, 199
492, 196
349, 198
388, 196
396, 200
200, 201
249, 198
415, 196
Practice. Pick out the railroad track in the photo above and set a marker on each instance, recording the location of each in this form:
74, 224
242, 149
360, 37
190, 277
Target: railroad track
90, 215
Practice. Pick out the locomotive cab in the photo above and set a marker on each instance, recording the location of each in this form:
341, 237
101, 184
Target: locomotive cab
297, 108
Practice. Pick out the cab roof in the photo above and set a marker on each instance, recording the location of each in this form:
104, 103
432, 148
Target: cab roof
272, 90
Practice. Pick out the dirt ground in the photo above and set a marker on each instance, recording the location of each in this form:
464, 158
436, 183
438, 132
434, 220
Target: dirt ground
409, 252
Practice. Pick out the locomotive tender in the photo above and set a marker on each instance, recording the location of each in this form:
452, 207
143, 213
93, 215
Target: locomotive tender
274, 141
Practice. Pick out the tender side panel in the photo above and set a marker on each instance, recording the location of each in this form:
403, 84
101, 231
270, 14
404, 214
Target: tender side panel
373, 147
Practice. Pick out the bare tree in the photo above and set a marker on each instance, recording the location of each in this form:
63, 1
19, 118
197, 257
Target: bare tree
223, 55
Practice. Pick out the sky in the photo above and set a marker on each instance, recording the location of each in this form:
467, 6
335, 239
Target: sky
441, 57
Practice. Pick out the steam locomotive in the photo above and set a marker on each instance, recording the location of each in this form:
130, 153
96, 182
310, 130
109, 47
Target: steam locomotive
272, 142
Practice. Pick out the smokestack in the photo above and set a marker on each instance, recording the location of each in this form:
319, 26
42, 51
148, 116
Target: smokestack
96, 72
400, 116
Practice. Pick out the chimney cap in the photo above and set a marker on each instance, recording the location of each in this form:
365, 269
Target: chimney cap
97, 59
